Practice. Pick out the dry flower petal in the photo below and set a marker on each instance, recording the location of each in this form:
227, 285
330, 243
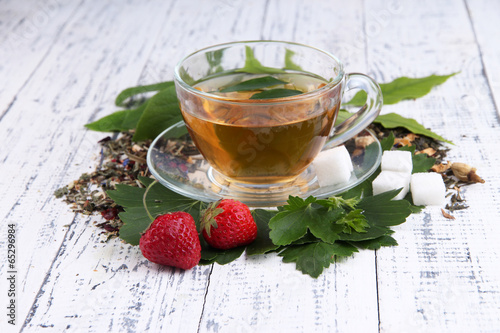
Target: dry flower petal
429, 151
466, 173
402, 142
357, 152
448, 216
363, 141
441, 167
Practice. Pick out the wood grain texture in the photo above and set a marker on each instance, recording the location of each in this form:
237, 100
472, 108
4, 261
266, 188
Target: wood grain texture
65, 62
432, 279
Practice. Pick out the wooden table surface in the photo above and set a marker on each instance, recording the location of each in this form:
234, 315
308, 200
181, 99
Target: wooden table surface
63, 62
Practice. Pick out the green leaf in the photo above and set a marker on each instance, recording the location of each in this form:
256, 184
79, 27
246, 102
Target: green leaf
301, 215
252, 65
130, 92
376, 243
159, 200
254, 84
371, 233
354, 221
388, 142
210, 255
342, 116
262, 244
404, 88
118, 121
393, 120
161, 112
289, 63
313, 258
275, 93
381, 210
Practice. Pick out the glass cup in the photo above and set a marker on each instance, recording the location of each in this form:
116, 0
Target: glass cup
260, 111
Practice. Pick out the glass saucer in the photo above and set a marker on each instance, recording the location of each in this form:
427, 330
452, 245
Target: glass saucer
176, 163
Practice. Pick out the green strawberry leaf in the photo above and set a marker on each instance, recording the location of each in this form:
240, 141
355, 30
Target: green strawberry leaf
354, 222
159, 200
376, 243
301, 215
373, 232
262, 244
254, 84
381, 210
210, 255
313, 258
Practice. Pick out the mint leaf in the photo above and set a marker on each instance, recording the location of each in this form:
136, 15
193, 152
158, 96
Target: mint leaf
289, 63
404, 88
254, 84
300, 215
253, 66
132, 91
275, 93
159, 200
161, 112
119, 121
393, 120
262, 244
313, 258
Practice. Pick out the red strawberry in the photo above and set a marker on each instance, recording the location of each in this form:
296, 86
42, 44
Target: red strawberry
228, 223
172, 240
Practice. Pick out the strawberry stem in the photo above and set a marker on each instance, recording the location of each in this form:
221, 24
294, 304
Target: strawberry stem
144, 200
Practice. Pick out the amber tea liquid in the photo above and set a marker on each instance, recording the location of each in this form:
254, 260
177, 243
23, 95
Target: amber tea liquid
261, 141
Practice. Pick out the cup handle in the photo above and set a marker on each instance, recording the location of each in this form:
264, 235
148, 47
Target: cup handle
364, 116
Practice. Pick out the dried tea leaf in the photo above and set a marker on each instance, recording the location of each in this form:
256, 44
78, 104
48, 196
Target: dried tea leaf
446, 215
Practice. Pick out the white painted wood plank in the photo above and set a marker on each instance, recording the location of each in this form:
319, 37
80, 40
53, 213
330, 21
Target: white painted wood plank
104, 46
442, 276
95, 287
263, 294
27, 32
485, 17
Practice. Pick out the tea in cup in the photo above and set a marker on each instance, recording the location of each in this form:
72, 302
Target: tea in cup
260, 112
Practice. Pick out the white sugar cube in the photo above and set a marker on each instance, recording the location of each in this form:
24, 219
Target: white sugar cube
397, 160
333, 166
427, 189
392, 180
